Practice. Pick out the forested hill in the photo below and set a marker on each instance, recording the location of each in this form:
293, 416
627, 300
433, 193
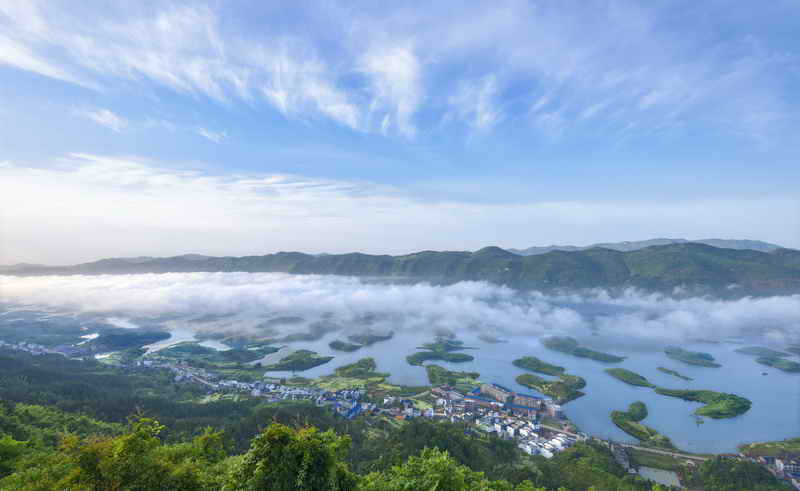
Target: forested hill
699, 267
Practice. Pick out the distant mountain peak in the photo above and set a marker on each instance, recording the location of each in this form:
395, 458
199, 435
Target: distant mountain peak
633, 245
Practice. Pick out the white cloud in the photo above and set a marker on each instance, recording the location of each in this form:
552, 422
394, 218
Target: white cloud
105, 118
214, 136
16, 54
394, 74
182, 48
634, 318
646, 77
98, 206
475, 103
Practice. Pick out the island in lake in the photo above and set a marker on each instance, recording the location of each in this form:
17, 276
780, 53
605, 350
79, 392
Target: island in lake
298, 361
491, 339
443, 349
761, 351
464, 381
718, 405
421, 356
566, 344
536, 365
339, 345
779, 363
629, 377
674, 373
565, 389
370, 337
630, 422
696, 358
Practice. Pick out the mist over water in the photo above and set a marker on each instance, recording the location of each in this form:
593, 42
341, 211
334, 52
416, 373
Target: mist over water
632, 324
241, 302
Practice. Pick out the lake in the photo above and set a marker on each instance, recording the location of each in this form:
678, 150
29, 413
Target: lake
775, 397
773, 416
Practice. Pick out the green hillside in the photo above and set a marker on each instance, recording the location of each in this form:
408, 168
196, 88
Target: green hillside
660, 268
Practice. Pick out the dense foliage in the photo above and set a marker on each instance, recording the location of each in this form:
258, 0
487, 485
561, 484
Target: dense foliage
564, 389
779, 363
697, 358
760, 351
569, 345
725, 474
630, 422
299, 360
363, 368
717, 404
629, 377
421, 356
340, 345
674, 373
441, 376
536, 365
82, 438
656, 268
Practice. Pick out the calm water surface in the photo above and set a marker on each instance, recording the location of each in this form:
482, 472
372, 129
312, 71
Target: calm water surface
774, 415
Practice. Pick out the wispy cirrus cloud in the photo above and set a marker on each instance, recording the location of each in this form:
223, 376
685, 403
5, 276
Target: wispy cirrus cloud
614, 67
474, 102
105, 117
214, 136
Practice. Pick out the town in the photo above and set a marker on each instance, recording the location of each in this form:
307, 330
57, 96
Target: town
489, 408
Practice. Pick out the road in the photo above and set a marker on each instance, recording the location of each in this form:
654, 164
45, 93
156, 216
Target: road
637, 447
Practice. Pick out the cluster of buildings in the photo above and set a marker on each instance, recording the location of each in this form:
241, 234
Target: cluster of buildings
511, 415
491, 408
32, 348
346, 402
787, 469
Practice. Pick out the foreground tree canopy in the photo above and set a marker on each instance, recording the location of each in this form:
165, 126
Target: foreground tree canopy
65, 425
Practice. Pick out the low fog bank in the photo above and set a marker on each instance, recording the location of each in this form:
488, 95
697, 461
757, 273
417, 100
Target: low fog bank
261, 303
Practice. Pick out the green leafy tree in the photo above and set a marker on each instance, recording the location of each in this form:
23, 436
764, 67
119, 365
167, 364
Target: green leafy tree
281, 458
10, 451
138, 460
435, 470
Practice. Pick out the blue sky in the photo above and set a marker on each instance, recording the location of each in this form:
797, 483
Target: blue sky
139, 128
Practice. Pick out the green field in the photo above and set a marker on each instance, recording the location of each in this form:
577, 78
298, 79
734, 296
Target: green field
460, 380
566, 388
629, 377
233, 363
642, 458
783, 448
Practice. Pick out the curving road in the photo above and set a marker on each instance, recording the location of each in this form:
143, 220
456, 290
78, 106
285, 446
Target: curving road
676, 455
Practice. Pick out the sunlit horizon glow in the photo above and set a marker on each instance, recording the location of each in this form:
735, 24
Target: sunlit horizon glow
243, 128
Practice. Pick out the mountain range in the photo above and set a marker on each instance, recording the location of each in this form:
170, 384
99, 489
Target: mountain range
755, 245
689, 267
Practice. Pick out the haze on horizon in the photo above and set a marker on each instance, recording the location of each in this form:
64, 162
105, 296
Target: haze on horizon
159, 129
